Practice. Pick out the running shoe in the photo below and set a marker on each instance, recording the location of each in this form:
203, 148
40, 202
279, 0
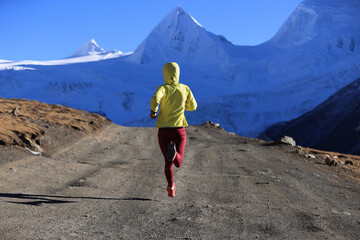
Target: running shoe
171, 152
171, 190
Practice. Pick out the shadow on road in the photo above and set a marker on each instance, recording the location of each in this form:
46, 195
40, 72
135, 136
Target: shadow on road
38, 200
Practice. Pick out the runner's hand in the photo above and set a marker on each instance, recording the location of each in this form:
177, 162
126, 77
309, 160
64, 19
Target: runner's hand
153, 116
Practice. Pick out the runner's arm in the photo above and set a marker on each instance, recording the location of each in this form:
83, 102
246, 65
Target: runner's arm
190, 104
156, 98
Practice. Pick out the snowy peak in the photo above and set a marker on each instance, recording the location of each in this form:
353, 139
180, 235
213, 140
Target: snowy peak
92, 48
179, 37
319, 19
178, 16
88, 48
298, 28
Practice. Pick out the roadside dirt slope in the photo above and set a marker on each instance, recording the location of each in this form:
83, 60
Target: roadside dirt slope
41, 127
22, 118
110, 184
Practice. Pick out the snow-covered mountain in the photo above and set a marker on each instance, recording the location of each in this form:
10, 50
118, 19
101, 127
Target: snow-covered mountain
179, 36
92, 48
246, 89
325, 20
88, 48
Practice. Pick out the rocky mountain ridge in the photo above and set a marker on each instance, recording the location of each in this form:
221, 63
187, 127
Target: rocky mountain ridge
333, 125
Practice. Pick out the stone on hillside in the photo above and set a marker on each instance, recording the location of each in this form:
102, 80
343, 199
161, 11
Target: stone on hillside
331, 161
287, 140
32, 144
217, 125
310, 156
15, 111
348, 162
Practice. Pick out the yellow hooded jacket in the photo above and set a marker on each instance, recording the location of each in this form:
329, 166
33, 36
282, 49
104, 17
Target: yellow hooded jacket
173, 97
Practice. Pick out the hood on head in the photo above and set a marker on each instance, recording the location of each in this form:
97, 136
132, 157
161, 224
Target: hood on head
171, 72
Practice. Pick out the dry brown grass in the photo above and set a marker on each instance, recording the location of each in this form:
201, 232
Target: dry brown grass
351, 172
34, 118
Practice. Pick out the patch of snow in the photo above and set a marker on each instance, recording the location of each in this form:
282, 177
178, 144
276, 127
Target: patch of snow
82, 59
17, 68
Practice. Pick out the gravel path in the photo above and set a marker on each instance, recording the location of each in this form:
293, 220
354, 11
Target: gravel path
111, 185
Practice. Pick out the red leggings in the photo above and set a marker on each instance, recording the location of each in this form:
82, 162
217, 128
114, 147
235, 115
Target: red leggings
177, 136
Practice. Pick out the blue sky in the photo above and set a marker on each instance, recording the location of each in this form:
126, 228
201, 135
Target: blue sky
54, 29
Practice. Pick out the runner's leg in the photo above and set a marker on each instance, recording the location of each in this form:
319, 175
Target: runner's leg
164, 137
180, 141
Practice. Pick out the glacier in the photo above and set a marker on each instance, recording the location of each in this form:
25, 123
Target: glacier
244, 88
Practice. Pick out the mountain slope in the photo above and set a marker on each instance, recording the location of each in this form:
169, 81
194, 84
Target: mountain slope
334, 125
40, 126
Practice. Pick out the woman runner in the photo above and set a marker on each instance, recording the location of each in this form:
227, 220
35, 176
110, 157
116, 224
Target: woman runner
174, 98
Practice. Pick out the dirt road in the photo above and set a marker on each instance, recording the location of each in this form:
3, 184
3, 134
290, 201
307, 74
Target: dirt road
111, 185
